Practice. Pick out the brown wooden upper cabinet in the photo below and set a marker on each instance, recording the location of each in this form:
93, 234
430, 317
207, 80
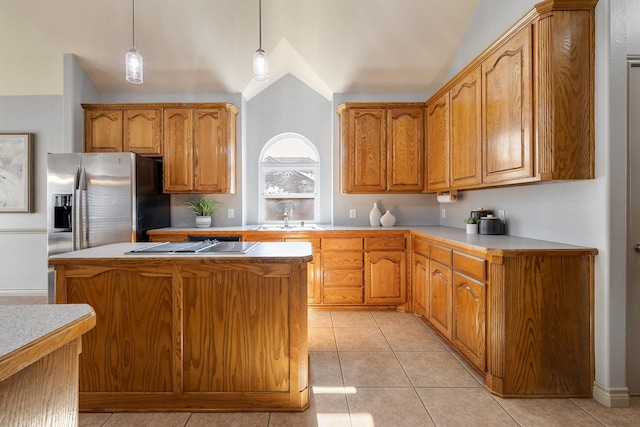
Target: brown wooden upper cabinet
121, 128
382, 147
199, 149
522, 111
454, 146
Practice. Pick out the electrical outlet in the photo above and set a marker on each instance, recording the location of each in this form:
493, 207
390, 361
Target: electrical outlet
231, 213
443, 213
352, 213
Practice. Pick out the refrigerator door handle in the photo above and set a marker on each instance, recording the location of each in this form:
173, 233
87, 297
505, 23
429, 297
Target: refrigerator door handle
79, 235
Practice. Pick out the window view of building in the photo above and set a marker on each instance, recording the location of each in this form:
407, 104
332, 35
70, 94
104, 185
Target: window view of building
289, 173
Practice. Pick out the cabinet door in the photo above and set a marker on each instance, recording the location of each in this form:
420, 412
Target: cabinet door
212, 153
438, 144
465, 145
405, 145
440, 294
469, 299
420, 282
102, 131
507, 111
143, 131
364, 150
178, 153
385, 277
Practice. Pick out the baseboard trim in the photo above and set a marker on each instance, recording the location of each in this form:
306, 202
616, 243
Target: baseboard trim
23, 292
611, 397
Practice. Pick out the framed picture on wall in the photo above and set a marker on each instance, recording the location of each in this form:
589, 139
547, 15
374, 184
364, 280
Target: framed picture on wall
15, 172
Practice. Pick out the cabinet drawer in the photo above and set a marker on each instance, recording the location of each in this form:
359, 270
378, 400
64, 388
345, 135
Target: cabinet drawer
386, 243
471, 266
342, 260
315, 241
420, 246
440, 254
342, 278
343, 296
342, 243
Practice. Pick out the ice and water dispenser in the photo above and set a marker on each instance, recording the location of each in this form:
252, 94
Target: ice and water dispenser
62, 212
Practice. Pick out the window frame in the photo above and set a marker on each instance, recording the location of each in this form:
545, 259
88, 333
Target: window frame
286, 166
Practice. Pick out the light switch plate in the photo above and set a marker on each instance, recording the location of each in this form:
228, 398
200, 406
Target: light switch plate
352, 213
231, 213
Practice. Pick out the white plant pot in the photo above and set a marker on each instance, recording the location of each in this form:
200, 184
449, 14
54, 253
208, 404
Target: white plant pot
203, 221
472, 228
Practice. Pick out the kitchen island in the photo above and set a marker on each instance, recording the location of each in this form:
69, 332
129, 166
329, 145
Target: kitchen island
191, 332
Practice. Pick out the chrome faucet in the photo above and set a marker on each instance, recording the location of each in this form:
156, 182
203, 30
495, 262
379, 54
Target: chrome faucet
286, 218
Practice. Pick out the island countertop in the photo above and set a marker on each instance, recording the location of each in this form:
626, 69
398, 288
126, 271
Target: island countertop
265, 252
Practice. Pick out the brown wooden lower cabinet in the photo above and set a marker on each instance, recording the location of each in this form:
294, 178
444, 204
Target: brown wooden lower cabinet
524, 318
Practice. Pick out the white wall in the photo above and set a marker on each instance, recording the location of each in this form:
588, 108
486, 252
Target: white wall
23, 236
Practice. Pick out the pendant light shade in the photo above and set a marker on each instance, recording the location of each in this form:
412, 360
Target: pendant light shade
133, 59
260, 66
260, 59
134, 66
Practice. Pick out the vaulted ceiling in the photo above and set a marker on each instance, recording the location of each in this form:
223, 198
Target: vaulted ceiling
192, 46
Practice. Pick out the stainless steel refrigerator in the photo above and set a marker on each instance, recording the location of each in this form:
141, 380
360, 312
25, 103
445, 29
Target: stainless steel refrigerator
94, 199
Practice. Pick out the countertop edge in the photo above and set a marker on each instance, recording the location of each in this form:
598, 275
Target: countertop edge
38, 347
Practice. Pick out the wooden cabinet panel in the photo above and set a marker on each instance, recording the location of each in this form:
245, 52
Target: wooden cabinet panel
405, 150
364, 151
465, 144
420, 282
140, 359
342, 243
438, 144
342, 278
420, 246
507, 111
469, 321
347, 296
440, 254
143, 131
385, 243
472, 266
385, 277
343, 260
178, 150
440, 296
214, 156
102, 131
259, 362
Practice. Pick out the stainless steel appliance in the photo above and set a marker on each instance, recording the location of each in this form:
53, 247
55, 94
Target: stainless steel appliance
94, 199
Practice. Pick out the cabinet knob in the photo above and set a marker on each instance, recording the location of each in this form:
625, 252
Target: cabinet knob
636, 247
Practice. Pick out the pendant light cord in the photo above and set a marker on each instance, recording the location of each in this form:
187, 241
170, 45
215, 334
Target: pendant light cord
133, 14
260, 20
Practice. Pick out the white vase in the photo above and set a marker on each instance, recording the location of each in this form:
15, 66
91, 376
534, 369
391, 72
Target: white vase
472, 228
203, 221
375, 215
388, 219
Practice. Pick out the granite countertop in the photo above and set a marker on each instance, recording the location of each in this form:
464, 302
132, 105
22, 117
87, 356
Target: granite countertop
22, 325
451, 234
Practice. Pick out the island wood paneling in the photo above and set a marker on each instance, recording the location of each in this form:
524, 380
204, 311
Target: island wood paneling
191, 334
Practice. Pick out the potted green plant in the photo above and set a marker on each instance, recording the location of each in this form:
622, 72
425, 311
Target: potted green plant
471, 225
203, 208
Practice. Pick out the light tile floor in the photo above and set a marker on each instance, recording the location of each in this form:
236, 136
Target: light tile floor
376, 369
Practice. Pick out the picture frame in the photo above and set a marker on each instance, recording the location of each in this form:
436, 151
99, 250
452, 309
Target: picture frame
16, 172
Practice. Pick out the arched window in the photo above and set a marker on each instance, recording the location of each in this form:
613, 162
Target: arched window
289, 179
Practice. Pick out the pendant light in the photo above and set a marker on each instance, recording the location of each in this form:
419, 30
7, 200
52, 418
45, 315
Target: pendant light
260, 59
133, 59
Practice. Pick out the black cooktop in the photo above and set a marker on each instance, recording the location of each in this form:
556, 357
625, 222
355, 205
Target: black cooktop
196, 247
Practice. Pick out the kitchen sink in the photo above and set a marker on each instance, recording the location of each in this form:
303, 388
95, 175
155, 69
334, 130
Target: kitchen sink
278, 227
